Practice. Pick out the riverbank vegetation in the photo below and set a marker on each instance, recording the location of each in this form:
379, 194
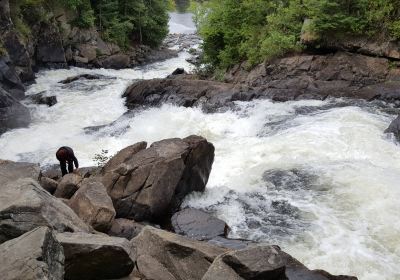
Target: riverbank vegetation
123, 22
256, 30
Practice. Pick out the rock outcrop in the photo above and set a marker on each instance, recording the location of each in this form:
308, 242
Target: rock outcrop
42, 99
164, 255
394, 128
93, 256
149, 184
12, 113
198, 225
93, 205
186, 92
34, 255
24, 205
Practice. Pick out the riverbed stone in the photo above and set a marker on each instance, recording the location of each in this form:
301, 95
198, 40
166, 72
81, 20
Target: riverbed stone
198, 225
94, 256
34, 255
25, 205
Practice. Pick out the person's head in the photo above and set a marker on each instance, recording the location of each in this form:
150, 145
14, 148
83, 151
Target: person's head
62, 154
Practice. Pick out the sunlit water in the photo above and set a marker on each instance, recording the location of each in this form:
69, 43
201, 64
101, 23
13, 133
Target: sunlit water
318, 178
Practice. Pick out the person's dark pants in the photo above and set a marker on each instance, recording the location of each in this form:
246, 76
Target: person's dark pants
63, 166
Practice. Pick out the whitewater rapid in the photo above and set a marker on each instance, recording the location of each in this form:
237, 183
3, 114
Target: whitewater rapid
318, 178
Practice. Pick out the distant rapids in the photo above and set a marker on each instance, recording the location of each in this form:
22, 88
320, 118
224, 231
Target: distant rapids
318, 178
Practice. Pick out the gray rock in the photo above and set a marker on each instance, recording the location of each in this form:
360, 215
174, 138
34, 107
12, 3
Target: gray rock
125, 228
25, 205
149, 184
235, 244
394, 128
11, 171
48, 184
177, 257
34, 255
12, 113
93, 205
198, 225
68, 185
50, 46
87, 51
45, 100
116, 61
93, 256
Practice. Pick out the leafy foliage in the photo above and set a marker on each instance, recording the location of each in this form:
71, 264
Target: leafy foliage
255, 30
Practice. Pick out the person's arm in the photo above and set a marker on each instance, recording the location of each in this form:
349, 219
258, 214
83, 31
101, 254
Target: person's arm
76, 163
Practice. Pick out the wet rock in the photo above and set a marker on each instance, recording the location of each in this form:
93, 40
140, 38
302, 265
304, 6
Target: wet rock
80, 61
261, 262
116, 61
149, 184
174, 256
10, 81
25, 205
394, 128
198, 225
178, 71
11, 171
68, 185
12, 113
235, 244
186, 92
48, 184
84, 77
93, 205
125, 228
34, 255
40, 98
92, 256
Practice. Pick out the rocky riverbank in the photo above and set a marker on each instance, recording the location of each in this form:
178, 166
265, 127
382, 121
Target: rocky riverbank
104, 223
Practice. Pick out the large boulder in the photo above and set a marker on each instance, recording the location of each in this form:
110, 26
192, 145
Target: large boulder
394, 128
48, 184
93, 256
34, 255
257, 263
9, 78
162, 254
125, 228
68, 185
11, 171
198, 225
93, 205
149, 184
12, 113
186, 92
24, 205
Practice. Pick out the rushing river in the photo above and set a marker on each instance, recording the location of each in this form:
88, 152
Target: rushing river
318, 178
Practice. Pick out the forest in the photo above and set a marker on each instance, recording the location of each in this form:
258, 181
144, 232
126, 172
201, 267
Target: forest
257, 30
123, 22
